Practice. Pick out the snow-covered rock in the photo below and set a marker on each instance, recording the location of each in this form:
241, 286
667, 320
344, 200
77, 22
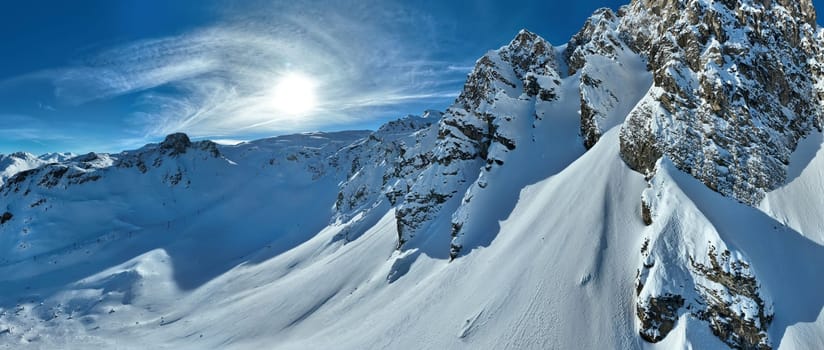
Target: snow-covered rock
735, 89
496, 110
613, 77
21, 161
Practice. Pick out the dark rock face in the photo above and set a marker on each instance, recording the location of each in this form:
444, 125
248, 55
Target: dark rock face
5, 217
641, 153
380, 168
658, 316
646, 213
734, 89
176, 143
49, 176
739, 331
208, 146
601, 58
595, 38
52, 176
529, 53
719, 303
529, 57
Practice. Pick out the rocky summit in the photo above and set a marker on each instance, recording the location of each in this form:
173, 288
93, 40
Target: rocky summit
655, 182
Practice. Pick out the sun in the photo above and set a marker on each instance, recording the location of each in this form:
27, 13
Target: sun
295, 94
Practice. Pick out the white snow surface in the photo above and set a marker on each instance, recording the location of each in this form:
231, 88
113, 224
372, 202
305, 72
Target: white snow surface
799, 204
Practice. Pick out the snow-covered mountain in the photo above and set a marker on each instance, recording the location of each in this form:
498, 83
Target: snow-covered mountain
21, 161
656, 182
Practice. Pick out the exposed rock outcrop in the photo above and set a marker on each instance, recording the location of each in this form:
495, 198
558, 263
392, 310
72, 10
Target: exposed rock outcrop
5, 217
734, 89
658, 316
381, 168
475, 134
681, 273
740, 328
612, 77
176, 143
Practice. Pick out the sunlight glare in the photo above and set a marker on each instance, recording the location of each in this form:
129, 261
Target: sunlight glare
295, 94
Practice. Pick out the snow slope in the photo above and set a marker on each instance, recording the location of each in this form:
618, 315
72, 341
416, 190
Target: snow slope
799, 203
510, 221
560, 270
324, 293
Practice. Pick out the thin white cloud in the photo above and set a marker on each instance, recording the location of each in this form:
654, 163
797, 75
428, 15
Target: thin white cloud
46, 107
218, 80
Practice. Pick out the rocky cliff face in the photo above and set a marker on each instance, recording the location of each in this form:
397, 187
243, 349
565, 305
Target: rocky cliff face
735, 88
731, 88
380, 169
723, 90
736, 85
479, 130
612, 76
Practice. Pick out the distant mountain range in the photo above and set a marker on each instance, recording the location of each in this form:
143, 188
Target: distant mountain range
656, 182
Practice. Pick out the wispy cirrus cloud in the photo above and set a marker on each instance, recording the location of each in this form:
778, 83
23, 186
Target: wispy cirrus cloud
217, 81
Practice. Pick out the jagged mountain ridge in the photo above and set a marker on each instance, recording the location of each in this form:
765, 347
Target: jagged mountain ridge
450, 181
20, 161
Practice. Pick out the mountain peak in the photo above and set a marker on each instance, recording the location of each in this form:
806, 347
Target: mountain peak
22, 155
800, 9
529, 43
177, 143
432, 113
524, 35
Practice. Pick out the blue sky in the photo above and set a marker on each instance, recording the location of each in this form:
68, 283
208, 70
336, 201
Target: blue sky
103, 75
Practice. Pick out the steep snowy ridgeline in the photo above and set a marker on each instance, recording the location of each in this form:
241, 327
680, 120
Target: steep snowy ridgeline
688, 267
495, 111
799, 203
16, 162
783, 263
515, 122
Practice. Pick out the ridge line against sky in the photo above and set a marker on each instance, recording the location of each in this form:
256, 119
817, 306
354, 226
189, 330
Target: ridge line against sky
105, 76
